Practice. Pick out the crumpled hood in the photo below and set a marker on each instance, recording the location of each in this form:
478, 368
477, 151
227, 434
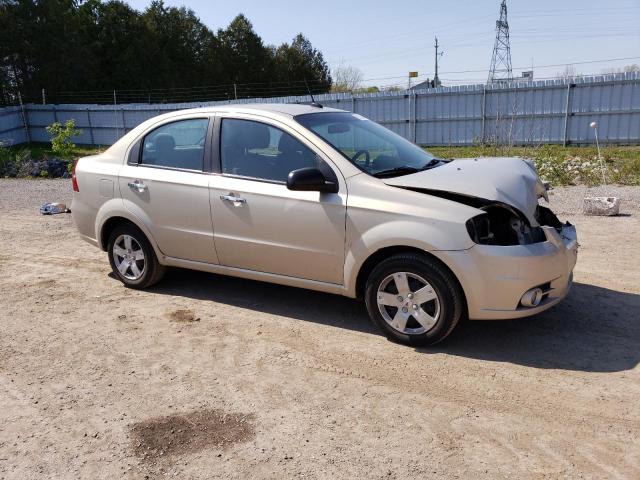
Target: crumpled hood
510, 180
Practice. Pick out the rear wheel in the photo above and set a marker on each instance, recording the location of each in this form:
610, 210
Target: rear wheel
413, 299
132, 257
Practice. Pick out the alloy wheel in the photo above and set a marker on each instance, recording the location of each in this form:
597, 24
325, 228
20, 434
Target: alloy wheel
408, 303
129, 257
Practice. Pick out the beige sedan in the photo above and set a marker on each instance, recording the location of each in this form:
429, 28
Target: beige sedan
327, 200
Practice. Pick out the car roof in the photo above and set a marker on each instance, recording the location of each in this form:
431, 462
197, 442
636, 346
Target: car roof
286, 109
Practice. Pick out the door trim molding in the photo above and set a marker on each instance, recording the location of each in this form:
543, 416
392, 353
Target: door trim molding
256, 275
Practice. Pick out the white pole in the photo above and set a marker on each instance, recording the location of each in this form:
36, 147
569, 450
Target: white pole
594, 125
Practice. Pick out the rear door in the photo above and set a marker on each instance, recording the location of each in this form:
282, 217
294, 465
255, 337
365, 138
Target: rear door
164, 183
259, 224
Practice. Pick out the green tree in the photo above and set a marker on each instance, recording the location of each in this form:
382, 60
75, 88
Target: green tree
82, 50
243, 55
299, 61
61, 135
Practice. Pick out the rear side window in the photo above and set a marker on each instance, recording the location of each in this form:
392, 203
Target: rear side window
257, 150
176, 145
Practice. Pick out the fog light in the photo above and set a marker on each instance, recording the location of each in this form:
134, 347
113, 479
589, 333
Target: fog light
532, 298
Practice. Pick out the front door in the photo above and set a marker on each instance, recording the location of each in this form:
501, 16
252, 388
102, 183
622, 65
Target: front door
259, 224
166, 186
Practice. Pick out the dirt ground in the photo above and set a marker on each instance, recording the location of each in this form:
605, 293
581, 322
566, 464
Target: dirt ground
205, 376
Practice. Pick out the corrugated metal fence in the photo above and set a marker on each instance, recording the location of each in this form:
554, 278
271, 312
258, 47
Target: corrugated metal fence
551, 111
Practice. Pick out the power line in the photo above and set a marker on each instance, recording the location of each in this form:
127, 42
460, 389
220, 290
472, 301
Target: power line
527, 67
263, 89
522, 14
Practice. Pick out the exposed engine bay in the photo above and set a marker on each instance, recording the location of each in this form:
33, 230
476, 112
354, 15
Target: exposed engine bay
501, 224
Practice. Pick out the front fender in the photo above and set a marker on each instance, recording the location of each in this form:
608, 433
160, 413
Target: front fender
422, 234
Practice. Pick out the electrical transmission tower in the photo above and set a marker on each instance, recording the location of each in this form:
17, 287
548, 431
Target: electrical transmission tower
500, 71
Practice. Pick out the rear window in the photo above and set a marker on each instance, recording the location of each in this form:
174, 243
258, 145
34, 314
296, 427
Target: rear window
176, 145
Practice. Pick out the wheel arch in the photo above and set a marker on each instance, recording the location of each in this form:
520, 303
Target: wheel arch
111, 219
109, 226
383, 253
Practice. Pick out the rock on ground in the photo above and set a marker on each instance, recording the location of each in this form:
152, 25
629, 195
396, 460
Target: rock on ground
607, 206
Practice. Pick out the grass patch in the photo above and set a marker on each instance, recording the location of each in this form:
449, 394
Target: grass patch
563, 165
42, 151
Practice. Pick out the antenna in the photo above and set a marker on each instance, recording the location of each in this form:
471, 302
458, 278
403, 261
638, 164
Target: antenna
500, 71
313, 101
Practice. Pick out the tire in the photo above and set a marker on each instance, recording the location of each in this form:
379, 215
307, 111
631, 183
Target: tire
392, 308
133, 269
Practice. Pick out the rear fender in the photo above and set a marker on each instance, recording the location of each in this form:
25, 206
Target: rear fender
118, 207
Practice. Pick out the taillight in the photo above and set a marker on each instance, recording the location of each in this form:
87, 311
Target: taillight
74, 180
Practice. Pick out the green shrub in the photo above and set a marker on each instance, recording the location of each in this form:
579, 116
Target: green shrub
61, 136
554, 170
11, 161
627, 173
5, 160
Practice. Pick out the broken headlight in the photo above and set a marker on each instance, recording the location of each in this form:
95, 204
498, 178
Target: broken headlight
502, 225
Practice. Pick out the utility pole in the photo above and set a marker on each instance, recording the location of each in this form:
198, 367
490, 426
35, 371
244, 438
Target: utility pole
436, 79
500, 70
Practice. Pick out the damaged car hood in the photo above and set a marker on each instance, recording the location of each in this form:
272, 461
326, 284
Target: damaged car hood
509, 180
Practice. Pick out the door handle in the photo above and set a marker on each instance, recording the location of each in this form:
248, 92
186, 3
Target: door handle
237, 201
138, 185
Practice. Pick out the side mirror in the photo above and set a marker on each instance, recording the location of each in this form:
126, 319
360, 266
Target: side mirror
310, 180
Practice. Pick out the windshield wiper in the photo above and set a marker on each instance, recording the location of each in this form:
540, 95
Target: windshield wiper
397, 171
431, 163
406, 169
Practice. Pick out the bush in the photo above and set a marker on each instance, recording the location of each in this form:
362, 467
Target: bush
11, 162
5, 161
628, 173
61, 136
554, 170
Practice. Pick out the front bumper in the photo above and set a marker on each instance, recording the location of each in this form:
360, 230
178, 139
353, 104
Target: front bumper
494, 278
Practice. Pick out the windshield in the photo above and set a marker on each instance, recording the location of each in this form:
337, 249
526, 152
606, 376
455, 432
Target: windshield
368, 145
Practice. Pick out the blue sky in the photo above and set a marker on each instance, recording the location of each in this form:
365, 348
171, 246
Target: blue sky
387, 39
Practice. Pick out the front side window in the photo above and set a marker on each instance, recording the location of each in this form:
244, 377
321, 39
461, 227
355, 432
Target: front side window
257, 150
368, 145
176, 145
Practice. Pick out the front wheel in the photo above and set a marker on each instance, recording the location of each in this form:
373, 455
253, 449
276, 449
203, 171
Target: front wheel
132, 257
413, 299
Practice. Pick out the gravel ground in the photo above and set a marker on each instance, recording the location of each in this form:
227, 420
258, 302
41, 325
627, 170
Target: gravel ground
206, 376
568, 200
